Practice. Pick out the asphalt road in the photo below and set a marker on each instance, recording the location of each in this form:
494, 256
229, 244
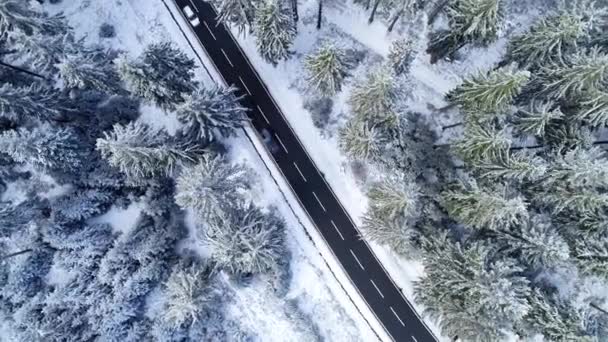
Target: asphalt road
373, 283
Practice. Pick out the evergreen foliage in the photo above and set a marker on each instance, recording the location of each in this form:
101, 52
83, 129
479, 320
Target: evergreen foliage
188, 295
512, 166
374, 99
16, 15
240, 13
275, 31
594, 109
537, 118
89, 71
401, 55
327, 68
20, 104
481, 142
360, 141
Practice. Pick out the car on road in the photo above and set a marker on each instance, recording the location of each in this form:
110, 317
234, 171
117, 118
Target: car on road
191, 16
269, 141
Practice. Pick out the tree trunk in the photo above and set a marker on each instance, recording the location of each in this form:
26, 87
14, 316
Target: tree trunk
525, 147
8, 256
294, 7
441, 145
600, 142
394, 21
19, 69
598, 308
371, 17
451, 126
435, 12
320, 14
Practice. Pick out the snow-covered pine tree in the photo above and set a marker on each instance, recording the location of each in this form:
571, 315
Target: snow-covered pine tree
488, 94
89, 71
21, 104
211, 187
327, 68
401, 55
592, 256
481, 142
394, 197
594, 109
17, 15
471, 21
246, 241
484, 207
44, 147
239, 13
187, 295
360, 141
535, 119
579, 168
211, 109
374, 98
275, 30
162, 75
43, 53
140, 151
560, 197
392, 232
549, 40
512, 166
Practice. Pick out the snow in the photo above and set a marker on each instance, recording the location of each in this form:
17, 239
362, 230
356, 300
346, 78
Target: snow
121, 220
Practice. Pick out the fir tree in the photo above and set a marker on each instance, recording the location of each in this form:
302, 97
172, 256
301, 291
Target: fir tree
394, 197
140, 152
211, 187
489, 93
89, 72
561, 197
16, 15
43, 53
579, 168
275, 31
537, 118
187, 294
512, 166
592, 257
162, 75
594, 109
327, 69
401, 55
386, 231
482, 143
240, 13
360, 141
211, 109
374, 99
491, 208
20, 104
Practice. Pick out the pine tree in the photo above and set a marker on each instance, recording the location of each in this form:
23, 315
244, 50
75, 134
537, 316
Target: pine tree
489, 93
44, 147
374, 99
89, 72
360, 141
561, 198
579, 168
393, 232
211, 109
162, 75
594, 109
43, 53
482, 143
592, 257
394, 197
401, 56
275, 31
327, 68
140, 151
537, 118
512, 166
20, 104
17, 15
212, 186
187, 294
491, 208
240, 13
549, 40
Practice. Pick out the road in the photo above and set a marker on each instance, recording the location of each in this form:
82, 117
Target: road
356, 257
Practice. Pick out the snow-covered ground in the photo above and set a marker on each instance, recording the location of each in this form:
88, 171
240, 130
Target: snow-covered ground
325, 308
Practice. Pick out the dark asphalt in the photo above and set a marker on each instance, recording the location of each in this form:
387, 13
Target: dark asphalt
355, 255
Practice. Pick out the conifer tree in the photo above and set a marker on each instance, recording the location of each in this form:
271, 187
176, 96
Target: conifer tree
592, 256
394, 197
240, 13
140, 151
594, 109
491, 208
16, 15
393, 232
481, 142
537, 118
162, 75
374, 99
20, 104
275, 31
327, 69
401, 55
488, 93
560, 198
512, 166
211, 109
360, 141
90, 72
579, 168
187, 295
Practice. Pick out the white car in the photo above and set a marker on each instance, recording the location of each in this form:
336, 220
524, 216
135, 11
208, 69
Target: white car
191, 16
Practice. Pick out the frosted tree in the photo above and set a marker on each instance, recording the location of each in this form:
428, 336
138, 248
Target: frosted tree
80, 205
402, 7
481, 143
594, 109
492, 208
140, 151
212, 186
375, 97
512, 166
89, 72
393, 232
44, 147
19, 104
471, 21
360, 141
489, 93
592, 256
275, 31
561, 197
17, 15
394, 197
535, 119
327, 68
162, 75
240, 13
579, 168
247, 241
187, 294
582, 73
549, 40
401, 55
210, 110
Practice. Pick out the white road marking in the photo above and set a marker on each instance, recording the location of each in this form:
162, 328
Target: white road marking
338, 230
281, 142
226, 56
262, 112
244, 85
318, 200
357, 259
377, 289
414, 339
394, 313
299, 171
193, 4
208, 29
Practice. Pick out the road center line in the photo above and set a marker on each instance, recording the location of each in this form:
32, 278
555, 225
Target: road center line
244, 85
263, 115
208, 29
338, 230
414, 339
194, 5
281, 142
319, 201
394, 313
299, 171
357, 259
377, 289
226, 56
